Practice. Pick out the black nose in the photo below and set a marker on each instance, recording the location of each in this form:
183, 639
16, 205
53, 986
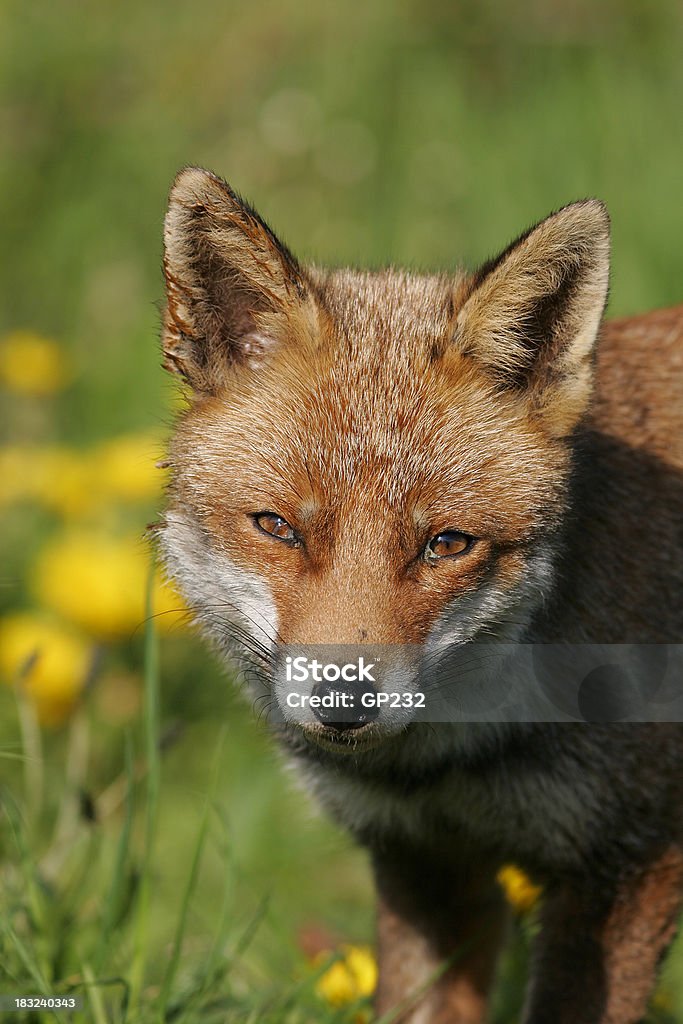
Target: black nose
348, 705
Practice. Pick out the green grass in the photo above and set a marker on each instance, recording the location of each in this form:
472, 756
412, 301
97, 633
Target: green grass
80, 894
426, 134
87, 880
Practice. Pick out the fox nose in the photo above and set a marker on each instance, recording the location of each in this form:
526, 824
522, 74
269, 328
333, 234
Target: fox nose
348, 705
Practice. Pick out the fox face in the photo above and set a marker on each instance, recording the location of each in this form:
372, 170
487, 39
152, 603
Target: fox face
371, 457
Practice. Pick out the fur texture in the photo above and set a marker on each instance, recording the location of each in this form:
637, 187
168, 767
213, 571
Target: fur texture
371, 413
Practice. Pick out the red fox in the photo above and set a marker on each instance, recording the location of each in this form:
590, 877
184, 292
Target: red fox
393, 458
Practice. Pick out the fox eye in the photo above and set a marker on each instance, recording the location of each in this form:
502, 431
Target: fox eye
448, 545
276, 526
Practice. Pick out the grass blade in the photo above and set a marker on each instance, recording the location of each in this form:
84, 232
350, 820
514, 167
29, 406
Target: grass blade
117, 887
151, 724
94, 996
191, 885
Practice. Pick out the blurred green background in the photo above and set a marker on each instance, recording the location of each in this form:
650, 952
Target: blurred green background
426, 134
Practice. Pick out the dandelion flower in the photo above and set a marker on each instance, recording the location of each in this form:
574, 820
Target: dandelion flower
74, 483
349, 978
519, 890
52, 476
125, 467
31, 364
51, 659
99, 583
17, 481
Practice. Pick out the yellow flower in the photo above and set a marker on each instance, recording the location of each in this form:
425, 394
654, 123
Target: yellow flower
519, 890
16, 474
54, 476
31, 364
349, 978
125, 467
52, 661
99, 583
73, 483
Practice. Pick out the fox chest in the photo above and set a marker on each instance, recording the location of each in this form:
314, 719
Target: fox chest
536, 818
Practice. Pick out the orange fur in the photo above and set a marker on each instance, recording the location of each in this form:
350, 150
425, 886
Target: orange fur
372, 413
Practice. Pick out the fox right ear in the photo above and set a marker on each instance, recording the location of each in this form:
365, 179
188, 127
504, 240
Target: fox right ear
531, 316
233, 290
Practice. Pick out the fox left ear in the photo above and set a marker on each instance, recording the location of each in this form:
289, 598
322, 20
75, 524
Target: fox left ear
531, 316
234, 292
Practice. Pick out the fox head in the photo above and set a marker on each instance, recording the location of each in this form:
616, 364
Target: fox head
371, 456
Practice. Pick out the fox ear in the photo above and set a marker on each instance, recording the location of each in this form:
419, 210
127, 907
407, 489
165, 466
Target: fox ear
531, 316
233, 290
